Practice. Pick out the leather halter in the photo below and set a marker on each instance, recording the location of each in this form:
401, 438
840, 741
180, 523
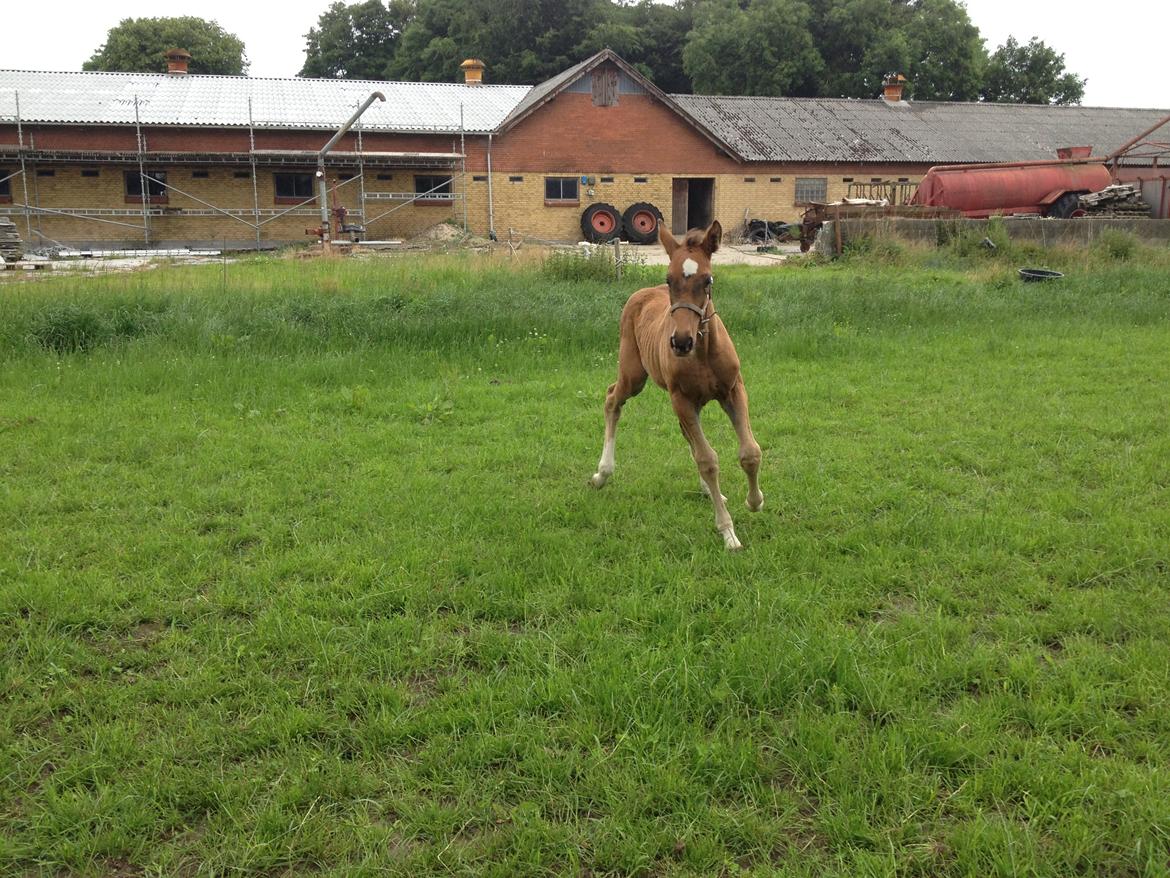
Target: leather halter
702, 312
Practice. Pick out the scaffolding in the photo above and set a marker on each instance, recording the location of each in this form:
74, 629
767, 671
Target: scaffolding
29, 159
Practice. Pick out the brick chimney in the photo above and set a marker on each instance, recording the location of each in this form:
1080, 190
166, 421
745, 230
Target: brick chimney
892, 87
473, 71
177, 61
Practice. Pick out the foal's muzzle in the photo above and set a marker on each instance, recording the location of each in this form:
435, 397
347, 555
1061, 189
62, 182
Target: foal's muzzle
681, 346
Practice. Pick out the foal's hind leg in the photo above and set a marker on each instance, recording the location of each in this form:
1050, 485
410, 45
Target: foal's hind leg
736, 406
631, 380
708, 463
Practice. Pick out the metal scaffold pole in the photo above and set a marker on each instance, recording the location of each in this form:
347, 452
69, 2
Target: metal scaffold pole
142, 177
252, 159
361, 178
463, 166
23, 171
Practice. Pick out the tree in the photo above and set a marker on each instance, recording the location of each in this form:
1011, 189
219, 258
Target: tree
356, 41
1031, 74
765, 49
948, 59
138, 44
521, 41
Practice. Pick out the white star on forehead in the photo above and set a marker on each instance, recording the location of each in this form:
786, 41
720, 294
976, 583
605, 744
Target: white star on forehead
689, 267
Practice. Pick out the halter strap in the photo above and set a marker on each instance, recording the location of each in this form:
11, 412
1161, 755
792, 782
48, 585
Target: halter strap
704, 319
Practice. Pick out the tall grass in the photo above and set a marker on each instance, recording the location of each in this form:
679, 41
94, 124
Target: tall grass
300, 574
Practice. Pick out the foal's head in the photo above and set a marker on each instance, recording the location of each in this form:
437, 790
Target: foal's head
689, 281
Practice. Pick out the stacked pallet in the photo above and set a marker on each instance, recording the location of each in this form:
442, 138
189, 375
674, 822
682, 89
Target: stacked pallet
11, 247
1121, 199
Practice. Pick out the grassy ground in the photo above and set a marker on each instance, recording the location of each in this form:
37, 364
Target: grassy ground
299, 573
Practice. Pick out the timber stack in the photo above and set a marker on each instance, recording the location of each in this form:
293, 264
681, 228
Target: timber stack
1122, 199
11, 247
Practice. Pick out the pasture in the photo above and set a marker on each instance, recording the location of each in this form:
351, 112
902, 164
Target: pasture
300, 574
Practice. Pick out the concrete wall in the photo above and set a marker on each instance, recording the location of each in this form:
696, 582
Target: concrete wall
1046, 232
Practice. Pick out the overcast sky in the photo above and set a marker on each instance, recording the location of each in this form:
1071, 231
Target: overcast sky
1117, 45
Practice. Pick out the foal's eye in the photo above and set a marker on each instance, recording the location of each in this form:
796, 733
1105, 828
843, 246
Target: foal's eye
710, 280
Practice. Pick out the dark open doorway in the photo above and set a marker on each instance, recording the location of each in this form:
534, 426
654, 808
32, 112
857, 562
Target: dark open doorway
692, 204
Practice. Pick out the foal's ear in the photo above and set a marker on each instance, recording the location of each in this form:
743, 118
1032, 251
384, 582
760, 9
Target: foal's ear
666, 239
714, 236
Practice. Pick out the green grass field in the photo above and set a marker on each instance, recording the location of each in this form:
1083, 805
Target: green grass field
300, 574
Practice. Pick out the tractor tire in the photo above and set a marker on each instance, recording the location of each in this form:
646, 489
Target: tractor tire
642, 221
600, 223
1064, 206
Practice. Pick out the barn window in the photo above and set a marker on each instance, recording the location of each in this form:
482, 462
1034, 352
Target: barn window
385, 176
639, 179
605, 87
775, 179
432, 187
90, 172
749, 179
607, 179
515, 179
346, 176
5, 186
560, 190
812, 189
46, 173
242, 175
200, 175
479, 178
293, 188
156, 190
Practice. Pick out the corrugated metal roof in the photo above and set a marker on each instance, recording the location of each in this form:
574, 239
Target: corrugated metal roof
842, 130
108, 98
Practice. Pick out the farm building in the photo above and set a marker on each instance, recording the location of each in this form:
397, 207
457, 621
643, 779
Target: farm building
127, 159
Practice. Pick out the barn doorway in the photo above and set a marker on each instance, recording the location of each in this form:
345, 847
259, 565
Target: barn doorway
692, 203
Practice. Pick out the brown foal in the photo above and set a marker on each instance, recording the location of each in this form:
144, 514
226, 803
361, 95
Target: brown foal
672, 333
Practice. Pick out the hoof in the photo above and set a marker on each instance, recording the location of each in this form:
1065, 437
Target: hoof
754, 507
730, 541
598, 480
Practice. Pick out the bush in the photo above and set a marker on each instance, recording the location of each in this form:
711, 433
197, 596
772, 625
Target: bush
68, 329
592, 264
1117, 245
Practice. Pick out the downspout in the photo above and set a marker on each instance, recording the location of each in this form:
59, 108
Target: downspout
491, 205
324, 189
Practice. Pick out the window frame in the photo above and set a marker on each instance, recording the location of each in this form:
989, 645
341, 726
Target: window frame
293, 176
804, 183
562, 200
423, 183
155, 192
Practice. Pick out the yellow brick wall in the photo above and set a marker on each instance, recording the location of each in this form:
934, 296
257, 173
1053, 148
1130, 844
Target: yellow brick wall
771, 195
518, 204
66, 188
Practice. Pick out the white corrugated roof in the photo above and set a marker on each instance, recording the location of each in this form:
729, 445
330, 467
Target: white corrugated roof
108, 99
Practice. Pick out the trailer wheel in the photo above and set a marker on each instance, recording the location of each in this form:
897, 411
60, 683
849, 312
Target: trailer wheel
1064, 206
601, 222
642, 221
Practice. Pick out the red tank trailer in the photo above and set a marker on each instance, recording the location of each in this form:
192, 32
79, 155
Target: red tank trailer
1049, 188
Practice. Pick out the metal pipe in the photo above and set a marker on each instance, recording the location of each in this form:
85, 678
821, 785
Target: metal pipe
23, 169
1121, 150
491, 206
142, 177
374, 96
252, 160
463, 166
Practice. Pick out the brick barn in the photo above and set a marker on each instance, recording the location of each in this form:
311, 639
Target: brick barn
127, 159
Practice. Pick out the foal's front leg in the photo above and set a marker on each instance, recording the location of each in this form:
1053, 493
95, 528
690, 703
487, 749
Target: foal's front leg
736, 406
708, 463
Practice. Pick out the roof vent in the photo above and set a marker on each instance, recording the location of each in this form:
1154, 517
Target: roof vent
177, 60
892, 87
1074, 152
473, 71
